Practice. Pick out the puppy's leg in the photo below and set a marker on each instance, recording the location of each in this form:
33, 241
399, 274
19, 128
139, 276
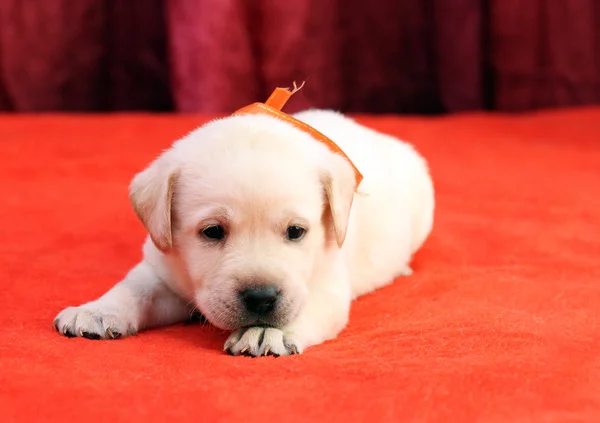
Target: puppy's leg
321, 319
140, 301
325, 315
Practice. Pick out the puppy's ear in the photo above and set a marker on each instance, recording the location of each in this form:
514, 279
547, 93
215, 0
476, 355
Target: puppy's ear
339, 184
151, 194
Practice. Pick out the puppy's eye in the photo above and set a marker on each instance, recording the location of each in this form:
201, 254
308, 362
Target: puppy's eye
214, 232
295, 233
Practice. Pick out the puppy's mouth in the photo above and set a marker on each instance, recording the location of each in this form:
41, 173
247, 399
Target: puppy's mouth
237, 318
259, 322
247, 321
235, 312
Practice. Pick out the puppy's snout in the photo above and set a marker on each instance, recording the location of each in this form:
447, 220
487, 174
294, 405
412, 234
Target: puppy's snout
260, 300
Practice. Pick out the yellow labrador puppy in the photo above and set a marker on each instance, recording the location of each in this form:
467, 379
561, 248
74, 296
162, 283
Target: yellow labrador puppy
258, 226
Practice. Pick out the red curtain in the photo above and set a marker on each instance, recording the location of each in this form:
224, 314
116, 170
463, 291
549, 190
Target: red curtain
384, 56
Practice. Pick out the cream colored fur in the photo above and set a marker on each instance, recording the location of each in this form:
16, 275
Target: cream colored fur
256, 176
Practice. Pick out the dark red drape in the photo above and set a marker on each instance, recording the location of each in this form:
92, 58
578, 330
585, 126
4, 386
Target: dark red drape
409, 56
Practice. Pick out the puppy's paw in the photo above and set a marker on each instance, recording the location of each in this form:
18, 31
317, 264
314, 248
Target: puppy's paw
93, 322
257, 340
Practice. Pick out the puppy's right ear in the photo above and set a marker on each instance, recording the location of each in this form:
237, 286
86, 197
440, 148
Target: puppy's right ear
151, 195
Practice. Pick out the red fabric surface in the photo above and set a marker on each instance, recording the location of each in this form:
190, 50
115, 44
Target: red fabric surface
414, 56
500, 322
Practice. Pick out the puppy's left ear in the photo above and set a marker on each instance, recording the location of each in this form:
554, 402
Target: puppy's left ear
151, 195
339, 184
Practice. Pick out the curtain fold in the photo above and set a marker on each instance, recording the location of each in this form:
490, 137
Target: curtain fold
385, 56
83, 55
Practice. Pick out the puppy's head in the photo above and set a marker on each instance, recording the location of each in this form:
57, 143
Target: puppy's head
248, 207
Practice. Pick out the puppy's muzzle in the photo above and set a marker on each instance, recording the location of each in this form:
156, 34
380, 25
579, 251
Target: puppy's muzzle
261, 301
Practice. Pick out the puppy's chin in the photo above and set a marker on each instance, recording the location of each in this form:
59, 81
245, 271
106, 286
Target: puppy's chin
228, 316
239, 320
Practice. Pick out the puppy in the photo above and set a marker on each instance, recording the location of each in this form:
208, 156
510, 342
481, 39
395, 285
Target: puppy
258, 226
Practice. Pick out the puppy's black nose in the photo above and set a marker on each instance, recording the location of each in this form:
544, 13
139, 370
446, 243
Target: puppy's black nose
260, 300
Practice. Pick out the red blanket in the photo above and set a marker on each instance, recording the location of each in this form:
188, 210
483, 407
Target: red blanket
499, 323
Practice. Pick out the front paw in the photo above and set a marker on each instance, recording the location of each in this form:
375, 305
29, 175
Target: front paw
93, 322
258, 340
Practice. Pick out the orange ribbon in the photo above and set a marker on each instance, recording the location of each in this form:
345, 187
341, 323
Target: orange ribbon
273, 106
